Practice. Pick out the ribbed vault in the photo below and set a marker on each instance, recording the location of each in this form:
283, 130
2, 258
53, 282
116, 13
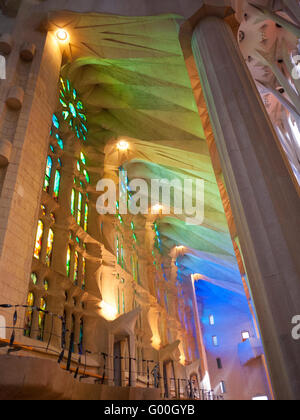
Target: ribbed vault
132, 78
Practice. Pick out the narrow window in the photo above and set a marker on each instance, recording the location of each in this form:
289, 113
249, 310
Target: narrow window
219, 363
215, 341
245, 335
38, 240
223, 387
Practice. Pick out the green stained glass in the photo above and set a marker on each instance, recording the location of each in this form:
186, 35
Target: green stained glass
56, 184
79, 206
86, 174
83, 159
71, 104
63, 103
68, 264
73, 195
34, 278
86, 216
48, 174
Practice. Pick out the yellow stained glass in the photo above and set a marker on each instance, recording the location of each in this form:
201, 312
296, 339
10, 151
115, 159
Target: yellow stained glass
38, 240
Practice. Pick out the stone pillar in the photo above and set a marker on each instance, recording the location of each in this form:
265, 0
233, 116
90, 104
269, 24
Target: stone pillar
264, 201
25, 132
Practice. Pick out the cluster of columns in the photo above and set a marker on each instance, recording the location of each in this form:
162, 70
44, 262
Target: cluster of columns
263, 198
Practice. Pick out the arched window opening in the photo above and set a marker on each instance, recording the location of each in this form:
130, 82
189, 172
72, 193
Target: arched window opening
29, 315
38, 240
49, 247
42, 319
48, 174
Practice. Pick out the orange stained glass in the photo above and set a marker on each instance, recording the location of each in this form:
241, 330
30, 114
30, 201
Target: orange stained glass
38, 240
28, 315
49, 247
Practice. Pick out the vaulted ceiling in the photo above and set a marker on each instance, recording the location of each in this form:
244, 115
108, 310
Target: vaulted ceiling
133, 80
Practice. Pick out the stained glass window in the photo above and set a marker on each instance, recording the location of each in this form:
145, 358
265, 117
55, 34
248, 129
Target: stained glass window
34, 278
83, 273
76, 263
55, 121
79, 205
73, 195
28, 315
80, 347
123, 301
48, 174
49, 247
56, 184
73, 109
82, 158
60, 141
38, 240
42, 319
86, 216
122, 256
86, 174
118, 251
46, 285
68, 265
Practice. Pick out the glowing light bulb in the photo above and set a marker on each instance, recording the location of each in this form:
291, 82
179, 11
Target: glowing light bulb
62, 35
123, 146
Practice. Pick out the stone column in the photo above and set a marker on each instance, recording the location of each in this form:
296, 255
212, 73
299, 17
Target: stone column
264, 201
25, 130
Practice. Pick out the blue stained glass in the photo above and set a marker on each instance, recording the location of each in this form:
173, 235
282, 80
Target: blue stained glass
82, 116
74, 94
66, 114
63, 103
80, 105
60, 142
73, 110
55, 121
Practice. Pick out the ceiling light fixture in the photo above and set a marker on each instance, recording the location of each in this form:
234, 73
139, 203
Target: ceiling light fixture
123, 146
62, 35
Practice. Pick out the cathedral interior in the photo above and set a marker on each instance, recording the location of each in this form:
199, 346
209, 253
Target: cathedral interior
149, 306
